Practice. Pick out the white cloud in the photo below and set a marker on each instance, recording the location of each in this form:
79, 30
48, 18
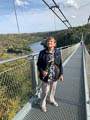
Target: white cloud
21, 3
69, 3
73, 16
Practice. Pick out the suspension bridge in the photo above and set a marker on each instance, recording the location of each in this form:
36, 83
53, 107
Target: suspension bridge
20, 87
72, 95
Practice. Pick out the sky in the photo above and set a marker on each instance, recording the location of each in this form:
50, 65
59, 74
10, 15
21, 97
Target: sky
35, 16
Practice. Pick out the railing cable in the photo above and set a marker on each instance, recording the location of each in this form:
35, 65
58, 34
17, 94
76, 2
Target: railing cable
16, 16
57, 6
85, 33
74, 31
51, 8
65, 19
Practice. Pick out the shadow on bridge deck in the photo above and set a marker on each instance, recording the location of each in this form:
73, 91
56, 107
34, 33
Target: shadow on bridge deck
69, 94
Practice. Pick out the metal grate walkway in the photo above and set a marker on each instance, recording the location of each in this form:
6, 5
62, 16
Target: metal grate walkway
69, 94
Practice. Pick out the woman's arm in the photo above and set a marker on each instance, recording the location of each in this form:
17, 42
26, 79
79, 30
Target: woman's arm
39, 62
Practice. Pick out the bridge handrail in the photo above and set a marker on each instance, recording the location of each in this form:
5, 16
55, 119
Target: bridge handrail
86, 80
18, 84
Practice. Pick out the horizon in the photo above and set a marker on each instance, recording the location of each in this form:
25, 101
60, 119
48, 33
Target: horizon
40, 32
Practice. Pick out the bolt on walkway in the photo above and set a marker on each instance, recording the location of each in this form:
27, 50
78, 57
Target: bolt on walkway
69, 95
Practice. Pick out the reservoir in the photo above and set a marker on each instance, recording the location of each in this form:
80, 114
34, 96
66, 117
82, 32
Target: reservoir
36, 46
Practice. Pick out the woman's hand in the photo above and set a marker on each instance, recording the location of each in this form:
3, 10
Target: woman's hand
61, 78
44, 73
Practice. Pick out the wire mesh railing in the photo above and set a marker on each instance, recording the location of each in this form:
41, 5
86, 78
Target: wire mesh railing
67, 51
15, 90
17, 85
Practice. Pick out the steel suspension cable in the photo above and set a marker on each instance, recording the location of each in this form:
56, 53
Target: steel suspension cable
86, 29
61, 12
16, 16
74, 31
63, 21
54, 21
54, 12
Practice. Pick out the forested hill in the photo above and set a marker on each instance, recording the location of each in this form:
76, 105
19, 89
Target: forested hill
67, 37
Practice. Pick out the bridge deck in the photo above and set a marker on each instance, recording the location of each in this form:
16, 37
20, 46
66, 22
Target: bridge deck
69, 94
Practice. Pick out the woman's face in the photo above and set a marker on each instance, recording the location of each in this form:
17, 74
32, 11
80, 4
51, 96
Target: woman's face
51, 43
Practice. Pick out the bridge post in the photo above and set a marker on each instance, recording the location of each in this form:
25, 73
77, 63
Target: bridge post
61, 51
34, 73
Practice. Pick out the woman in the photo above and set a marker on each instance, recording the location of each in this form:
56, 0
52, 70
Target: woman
50, 68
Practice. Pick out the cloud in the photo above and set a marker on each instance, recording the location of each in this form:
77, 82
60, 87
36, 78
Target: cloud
21, 3
69, 3
73, 16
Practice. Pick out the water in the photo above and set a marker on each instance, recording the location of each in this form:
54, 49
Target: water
36, 46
